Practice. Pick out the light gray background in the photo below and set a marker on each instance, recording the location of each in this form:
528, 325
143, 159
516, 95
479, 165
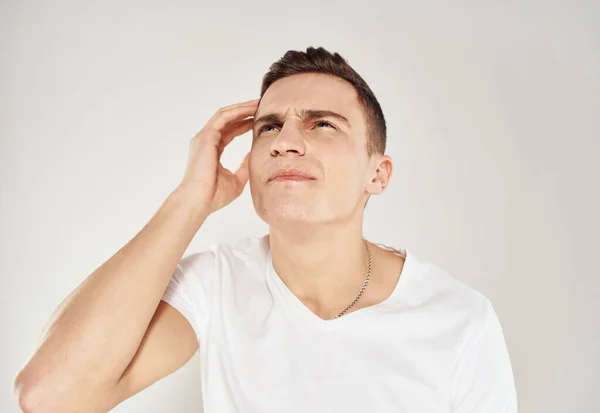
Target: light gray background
492, 113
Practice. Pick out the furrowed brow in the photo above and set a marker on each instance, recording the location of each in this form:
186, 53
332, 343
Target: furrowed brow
310, 114
305, 114
271, 117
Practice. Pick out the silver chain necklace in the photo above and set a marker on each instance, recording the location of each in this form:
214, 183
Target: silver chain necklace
364, 284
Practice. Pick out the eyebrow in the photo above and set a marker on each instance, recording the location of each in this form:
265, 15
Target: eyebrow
305, 114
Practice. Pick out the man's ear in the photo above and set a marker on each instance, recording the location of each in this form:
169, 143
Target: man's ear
381, 175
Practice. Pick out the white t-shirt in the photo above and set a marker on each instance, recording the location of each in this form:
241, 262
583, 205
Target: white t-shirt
434, 345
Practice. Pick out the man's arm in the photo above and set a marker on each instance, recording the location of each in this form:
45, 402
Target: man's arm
168, 344
112, 336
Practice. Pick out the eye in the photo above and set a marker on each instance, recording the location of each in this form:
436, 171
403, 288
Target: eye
325, 122
263, 128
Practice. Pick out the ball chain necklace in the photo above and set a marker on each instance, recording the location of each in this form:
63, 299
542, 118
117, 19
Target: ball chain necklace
364, 284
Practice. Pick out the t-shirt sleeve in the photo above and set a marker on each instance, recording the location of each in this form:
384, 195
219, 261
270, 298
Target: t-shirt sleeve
188, 290
483, 378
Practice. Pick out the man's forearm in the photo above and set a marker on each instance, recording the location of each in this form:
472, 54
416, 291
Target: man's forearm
95, 332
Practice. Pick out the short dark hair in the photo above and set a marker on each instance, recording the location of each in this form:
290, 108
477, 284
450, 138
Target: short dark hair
319, 60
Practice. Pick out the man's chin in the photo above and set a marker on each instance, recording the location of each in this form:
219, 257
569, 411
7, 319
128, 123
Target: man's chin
291, 213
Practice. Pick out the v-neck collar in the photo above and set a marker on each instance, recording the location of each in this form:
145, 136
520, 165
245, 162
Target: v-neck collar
273, 278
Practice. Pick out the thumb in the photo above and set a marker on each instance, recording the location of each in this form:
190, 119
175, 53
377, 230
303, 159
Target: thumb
243, 172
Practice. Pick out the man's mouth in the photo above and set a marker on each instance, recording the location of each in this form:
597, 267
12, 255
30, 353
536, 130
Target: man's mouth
291, 178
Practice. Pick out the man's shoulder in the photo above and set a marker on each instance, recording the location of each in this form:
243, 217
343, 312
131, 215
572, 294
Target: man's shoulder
242, 248
451, 284
232, 253
238, 256
453, 296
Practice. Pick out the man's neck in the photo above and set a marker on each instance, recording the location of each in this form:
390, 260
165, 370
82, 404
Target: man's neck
323, 269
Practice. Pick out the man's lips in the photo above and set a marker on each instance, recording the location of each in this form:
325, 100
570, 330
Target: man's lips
291, 175
291, 178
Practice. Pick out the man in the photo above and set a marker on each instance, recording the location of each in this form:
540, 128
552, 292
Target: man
311, 317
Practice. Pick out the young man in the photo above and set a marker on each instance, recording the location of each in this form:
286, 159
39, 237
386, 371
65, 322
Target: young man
310, 317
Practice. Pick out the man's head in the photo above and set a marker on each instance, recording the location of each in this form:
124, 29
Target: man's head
316, 115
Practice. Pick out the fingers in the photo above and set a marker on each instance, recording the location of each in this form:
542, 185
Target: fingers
240, 103
234, 129
227, 123
232, 113
243, 173
239, 178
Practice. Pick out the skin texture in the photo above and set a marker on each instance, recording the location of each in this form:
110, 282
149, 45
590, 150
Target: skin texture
316, 225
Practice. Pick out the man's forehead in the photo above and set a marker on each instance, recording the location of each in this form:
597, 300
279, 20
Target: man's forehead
295, 93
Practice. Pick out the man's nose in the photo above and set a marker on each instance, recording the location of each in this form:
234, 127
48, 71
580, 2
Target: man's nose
289, 139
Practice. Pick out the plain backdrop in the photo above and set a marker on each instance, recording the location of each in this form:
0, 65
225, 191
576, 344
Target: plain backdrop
492, 111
